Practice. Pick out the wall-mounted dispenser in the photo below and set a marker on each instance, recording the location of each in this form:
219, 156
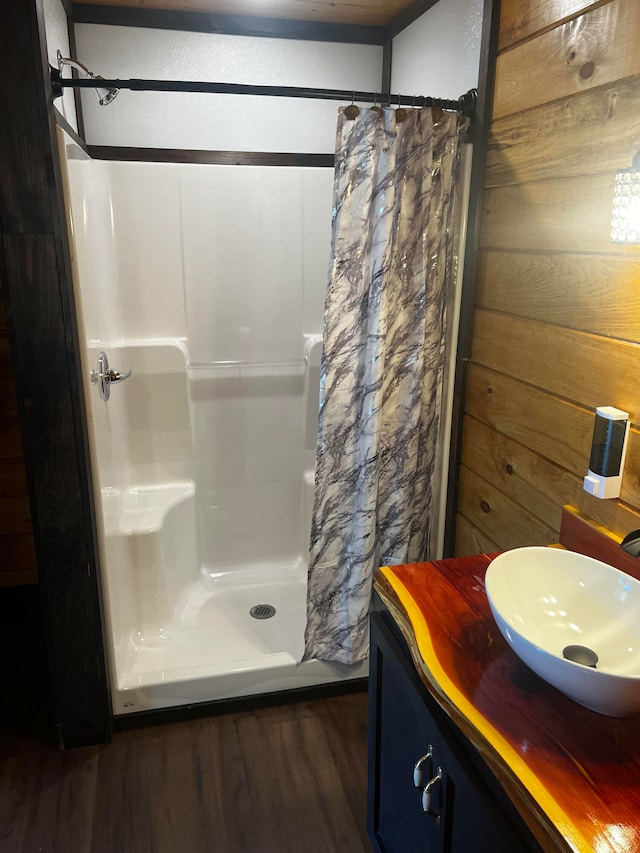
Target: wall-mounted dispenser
608, 450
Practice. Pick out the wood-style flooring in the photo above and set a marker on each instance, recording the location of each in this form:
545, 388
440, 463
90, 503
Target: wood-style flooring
290, 778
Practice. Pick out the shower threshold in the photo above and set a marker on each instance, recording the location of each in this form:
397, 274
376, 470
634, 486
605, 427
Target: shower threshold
215, 649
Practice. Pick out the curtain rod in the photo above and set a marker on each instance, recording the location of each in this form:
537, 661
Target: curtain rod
465, 104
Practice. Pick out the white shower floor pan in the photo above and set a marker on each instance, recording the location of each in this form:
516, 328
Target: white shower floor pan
215, 649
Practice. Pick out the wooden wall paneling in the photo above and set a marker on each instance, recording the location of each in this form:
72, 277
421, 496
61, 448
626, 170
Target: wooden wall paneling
15, 516
24, 183
8, 402
471, 540
556, 328
587, 369
10, 441
541, 486
65, 556
501, 519
581, 135
13, 477
45, 348
572, 214
551, 427
589, 293
596, 48
18, 558
18, 577
5, 356
520, 19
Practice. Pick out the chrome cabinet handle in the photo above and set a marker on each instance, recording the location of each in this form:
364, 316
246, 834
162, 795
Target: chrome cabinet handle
417, 770
104, 376
428, 792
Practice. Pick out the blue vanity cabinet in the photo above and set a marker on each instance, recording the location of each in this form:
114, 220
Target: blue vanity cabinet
468, 811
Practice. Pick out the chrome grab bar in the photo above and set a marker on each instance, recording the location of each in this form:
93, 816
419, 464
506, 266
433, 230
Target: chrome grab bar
104, 376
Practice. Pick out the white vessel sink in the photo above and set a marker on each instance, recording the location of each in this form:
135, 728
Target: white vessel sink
546, 600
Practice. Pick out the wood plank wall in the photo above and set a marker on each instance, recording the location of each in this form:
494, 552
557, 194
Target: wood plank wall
556, 326
17, 552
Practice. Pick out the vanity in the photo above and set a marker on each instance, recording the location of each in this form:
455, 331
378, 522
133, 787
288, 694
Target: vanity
469, 751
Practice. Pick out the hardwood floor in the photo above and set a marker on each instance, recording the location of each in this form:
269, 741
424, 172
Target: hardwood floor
283, 779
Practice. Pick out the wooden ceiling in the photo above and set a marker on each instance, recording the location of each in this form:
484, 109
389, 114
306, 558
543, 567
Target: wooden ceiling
377, 13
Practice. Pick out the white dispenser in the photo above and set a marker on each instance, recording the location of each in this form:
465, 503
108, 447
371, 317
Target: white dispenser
608, 451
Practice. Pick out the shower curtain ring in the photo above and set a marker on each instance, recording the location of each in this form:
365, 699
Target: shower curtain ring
352, 111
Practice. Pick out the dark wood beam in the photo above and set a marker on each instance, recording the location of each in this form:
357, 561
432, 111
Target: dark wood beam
387, 57
220, 158
238, 25
46, 359
479, 136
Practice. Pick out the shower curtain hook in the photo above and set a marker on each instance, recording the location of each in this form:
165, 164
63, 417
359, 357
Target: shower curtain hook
375, 107
352, 111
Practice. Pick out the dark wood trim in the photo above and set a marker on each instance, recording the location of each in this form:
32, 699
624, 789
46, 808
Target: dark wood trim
237, 25
387, 60
64, 124
77, 95
479, 134
232, 706
45, 352
222, 158
404, 19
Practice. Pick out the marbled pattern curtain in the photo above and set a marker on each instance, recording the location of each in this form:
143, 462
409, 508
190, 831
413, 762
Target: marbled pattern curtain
382, 364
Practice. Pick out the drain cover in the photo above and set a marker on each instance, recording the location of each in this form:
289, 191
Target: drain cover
262, 611
581, 654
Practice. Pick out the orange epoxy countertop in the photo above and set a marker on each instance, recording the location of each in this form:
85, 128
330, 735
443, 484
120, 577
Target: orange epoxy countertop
573, 775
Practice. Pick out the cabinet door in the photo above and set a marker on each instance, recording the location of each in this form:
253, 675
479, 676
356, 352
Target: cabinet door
400, 733
404, 722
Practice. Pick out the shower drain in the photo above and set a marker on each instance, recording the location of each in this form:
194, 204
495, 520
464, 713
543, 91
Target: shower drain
262, 611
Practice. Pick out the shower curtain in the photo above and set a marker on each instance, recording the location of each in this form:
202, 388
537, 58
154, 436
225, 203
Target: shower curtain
382, 364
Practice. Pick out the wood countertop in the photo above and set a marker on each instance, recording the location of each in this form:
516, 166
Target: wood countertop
573, 774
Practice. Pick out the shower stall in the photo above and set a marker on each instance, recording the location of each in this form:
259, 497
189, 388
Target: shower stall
207, 283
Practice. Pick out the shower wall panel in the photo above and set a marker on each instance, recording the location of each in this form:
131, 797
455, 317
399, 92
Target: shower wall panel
145, 200
440, 50
256, 254
219, 122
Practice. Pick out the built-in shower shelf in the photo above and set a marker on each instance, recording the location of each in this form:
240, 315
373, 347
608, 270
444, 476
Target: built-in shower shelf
142, 509
245, 369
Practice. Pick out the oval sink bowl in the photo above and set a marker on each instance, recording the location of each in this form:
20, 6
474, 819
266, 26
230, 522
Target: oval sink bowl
556, 608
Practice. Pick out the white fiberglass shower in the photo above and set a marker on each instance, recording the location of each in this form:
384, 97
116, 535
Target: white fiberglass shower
208, 283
